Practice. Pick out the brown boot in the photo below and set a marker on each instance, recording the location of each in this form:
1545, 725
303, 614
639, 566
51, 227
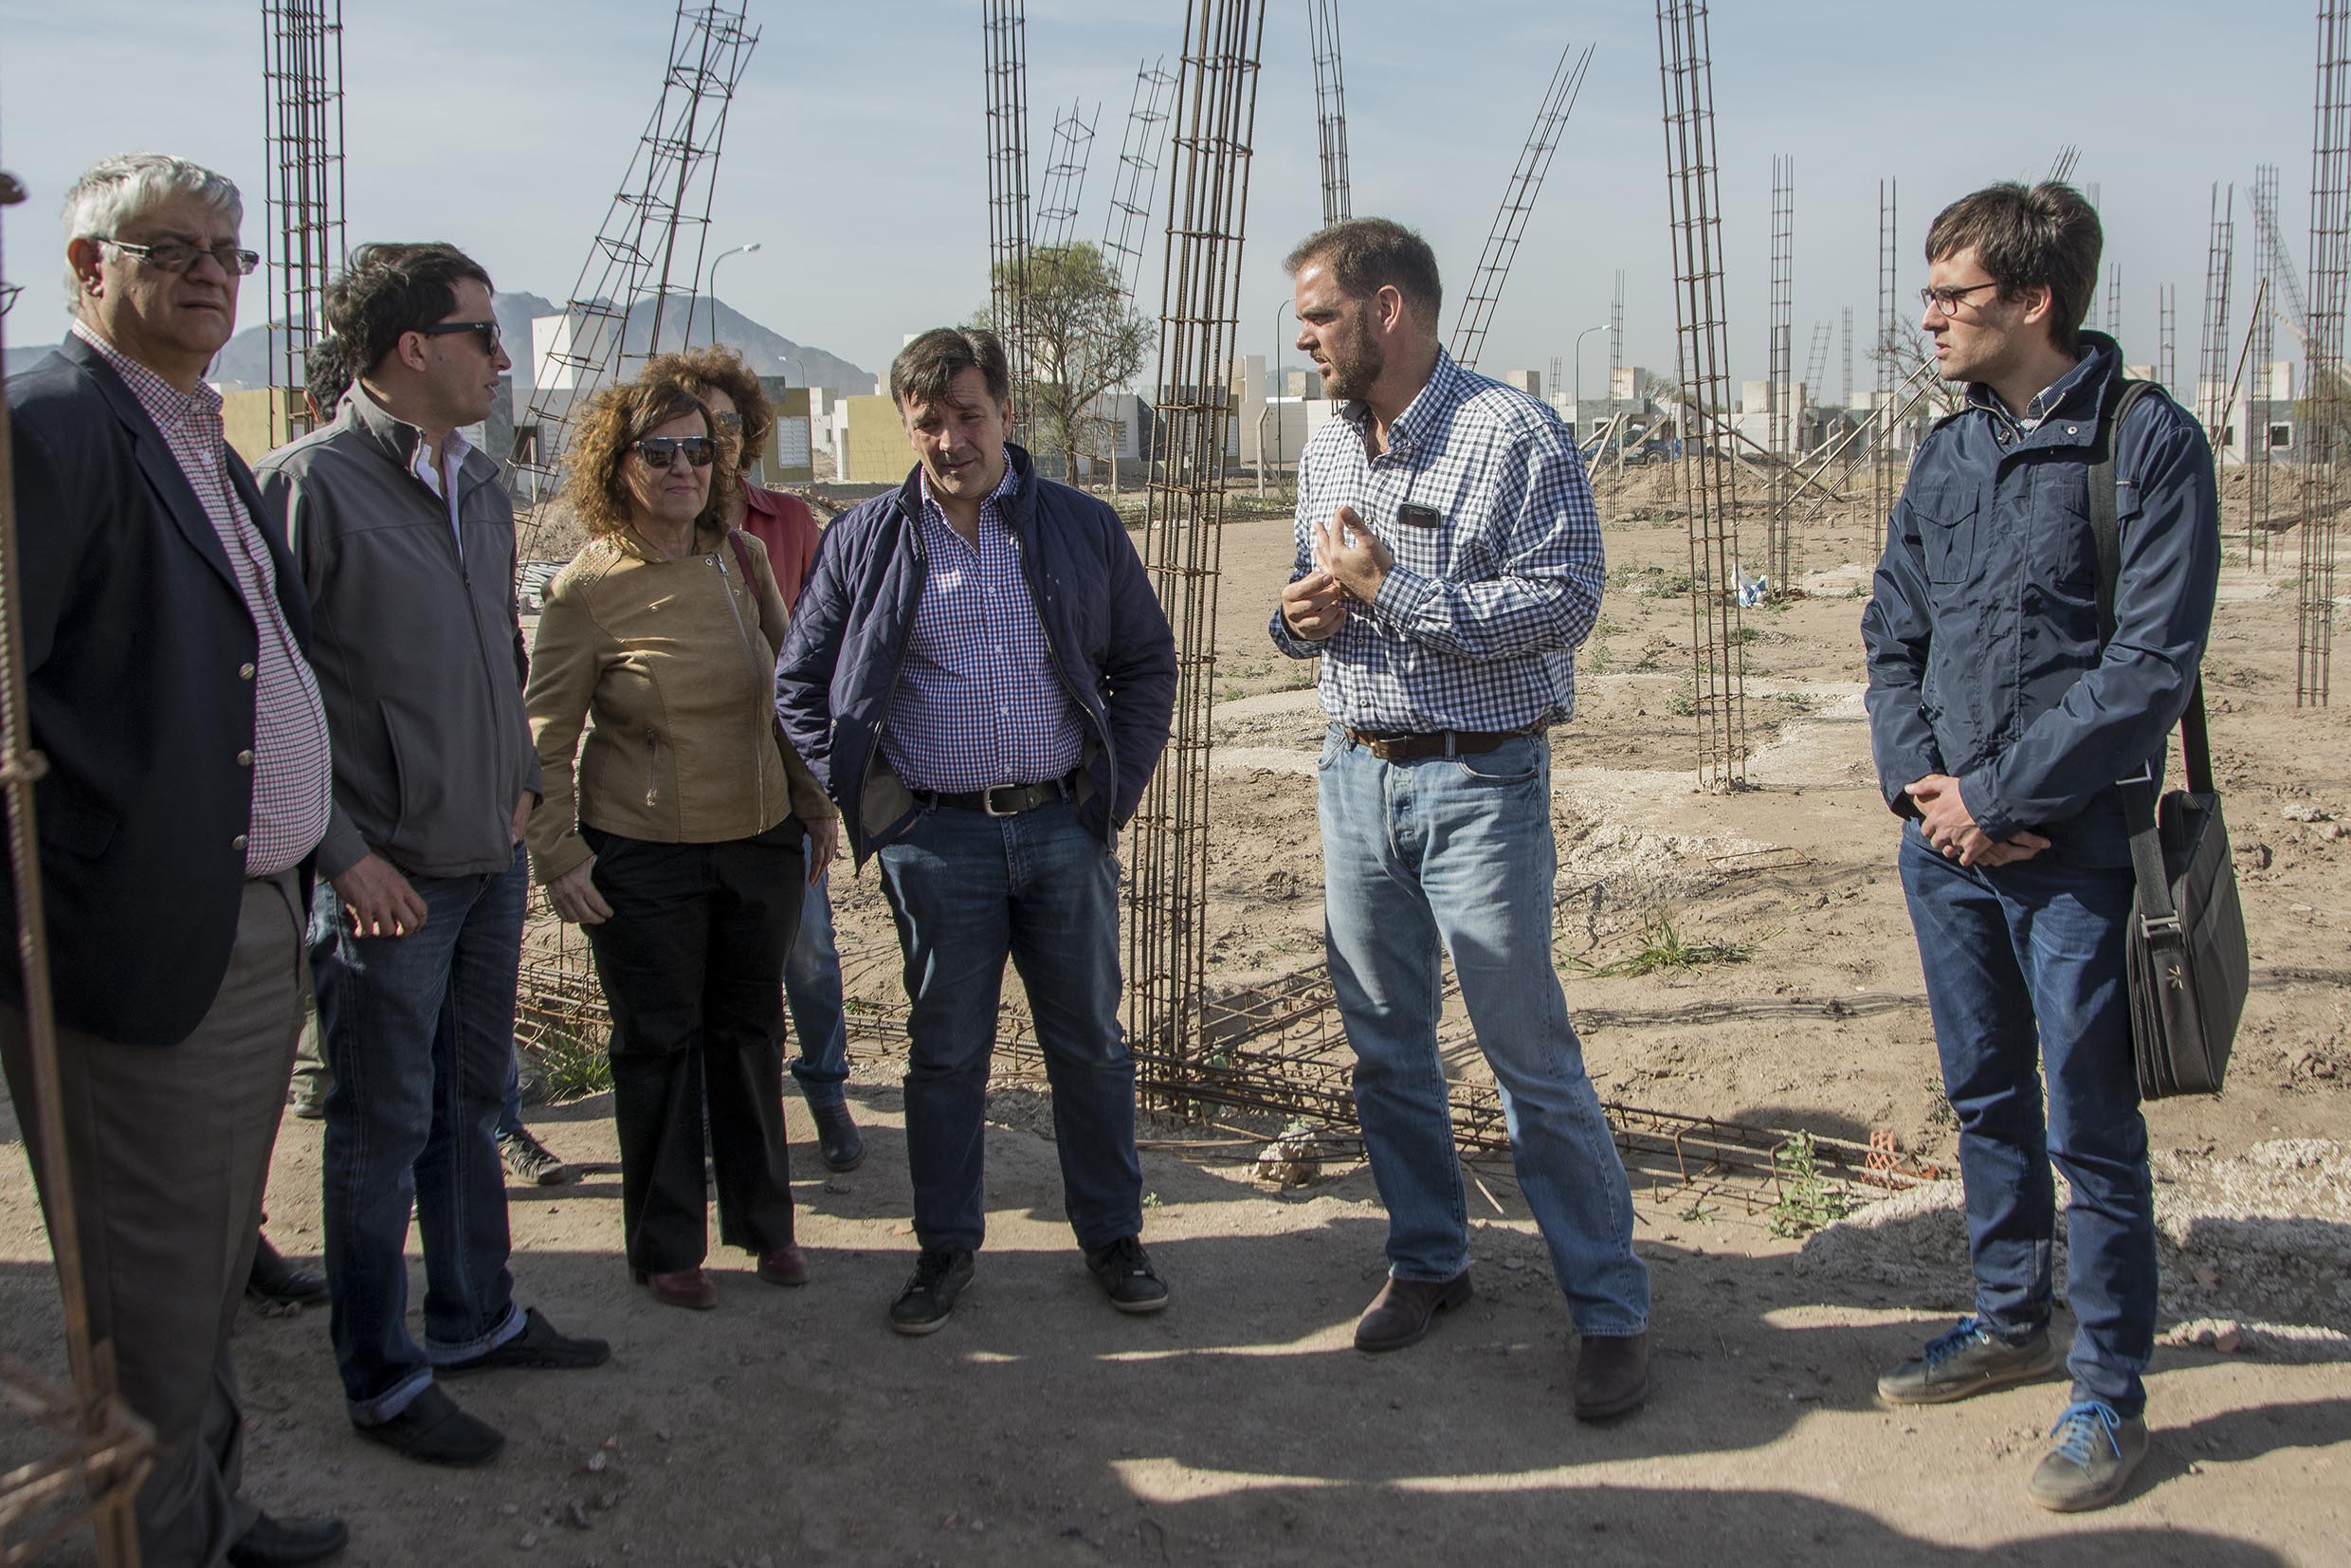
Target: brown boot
1399, 1315
1612, 1375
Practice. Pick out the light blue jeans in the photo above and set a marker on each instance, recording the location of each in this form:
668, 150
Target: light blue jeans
1454, 854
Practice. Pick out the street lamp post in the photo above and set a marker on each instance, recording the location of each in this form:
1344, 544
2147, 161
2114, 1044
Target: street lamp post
1274, 388
739, 251
1579, 366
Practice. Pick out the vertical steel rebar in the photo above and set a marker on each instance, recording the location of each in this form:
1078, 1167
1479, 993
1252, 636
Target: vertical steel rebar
1709, 476
1004, 31
303, 231
1064, 190
1882, 485
1330, 110
2322, 426
2259, 468
1207, 216
1779, 385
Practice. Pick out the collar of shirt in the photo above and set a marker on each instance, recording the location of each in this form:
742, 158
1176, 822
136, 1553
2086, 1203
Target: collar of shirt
444, 483
2088, 372
1442, 388
934, 511
164, 403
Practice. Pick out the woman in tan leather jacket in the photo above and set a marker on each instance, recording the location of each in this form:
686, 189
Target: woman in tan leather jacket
673, 832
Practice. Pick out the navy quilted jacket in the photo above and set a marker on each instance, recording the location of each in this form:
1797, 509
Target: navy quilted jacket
838, 669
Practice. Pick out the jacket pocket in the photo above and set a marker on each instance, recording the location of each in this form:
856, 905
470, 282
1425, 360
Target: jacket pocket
402, 800
1947, 534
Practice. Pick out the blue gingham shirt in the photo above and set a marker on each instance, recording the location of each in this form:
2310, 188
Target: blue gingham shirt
978, 703
1476, 624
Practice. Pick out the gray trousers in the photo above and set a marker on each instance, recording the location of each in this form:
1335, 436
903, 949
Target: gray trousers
170, 1149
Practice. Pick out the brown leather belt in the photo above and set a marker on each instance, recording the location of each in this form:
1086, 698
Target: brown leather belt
1004, 800
1411, 748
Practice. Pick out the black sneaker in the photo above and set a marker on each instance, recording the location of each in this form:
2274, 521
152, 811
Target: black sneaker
1969, 1360
1126, 1275
939, 1275
433, 1431
530, 1162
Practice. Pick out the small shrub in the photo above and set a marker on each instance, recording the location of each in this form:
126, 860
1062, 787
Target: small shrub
1808, 1199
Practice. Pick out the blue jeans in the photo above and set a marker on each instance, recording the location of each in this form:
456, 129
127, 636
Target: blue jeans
419, 1033
2024, 966
967, 889
1454, 854
812, 992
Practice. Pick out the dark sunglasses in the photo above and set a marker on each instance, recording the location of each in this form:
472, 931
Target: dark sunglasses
660, 451
488, 331
178, 255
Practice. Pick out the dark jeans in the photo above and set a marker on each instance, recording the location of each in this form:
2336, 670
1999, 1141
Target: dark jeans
812, 991
2024, 966
968, 889
692, 964
419, 1033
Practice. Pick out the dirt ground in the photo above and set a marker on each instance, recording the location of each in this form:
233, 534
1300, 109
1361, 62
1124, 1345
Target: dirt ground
1240, 1427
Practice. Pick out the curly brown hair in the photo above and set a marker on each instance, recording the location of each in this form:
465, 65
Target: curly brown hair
618, 418
715, 368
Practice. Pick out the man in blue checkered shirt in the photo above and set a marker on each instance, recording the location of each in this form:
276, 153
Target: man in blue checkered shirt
1448, 565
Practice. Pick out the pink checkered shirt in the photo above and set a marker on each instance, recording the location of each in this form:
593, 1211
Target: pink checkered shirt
977, 701
293, 775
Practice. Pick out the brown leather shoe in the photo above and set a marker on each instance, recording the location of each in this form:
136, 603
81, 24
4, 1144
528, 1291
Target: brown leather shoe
687, 1287
786, 1265
1612, 1375
1399, 1315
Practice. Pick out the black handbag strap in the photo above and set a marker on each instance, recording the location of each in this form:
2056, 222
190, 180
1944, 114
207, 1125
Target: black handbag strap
2156, 911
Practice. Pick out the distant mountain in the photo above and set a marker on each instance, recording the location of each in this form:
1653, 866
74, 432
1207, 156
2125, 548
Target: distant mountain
246, 361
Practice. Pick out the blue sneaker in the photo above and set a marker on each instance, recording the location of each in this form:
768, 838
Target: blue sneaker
2091, 1459
1968, 1360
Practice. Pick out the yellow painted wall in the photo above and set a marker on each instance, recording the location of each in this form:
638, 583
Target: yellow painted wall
873, 449
256, 419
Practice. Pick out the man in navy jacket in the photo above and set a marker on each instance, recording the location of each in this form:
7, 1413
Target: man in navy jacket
981, 675
2001, 721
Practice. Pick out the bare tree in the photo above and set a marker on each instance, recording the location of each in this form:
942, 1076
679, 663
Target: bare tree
1084, 341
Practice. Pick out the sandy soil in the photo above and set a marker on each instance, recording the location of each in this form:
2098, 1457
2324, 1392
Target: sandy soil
1240, 1427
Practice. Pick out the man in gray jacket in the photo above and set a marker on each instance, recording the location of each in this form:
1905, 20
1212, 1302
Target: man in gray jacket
406, 542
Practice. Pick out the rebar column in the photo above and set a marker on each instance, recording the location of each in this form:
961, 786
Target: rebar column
2330, 264
1518, 201
1779, 385
1883, 486
1004, 31
1208, 208
303, 136
1065, 176
1330, 110
1709, 477
2259, 470
655, 229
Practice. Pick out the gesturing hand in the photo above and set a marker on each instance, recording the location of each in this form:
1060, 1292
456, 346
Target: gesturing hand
1314, 606
1352, 554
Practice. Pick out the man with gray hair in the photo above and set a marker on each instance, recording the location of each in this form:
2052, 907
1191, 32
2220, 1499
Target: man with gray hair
1448, 564
188, 786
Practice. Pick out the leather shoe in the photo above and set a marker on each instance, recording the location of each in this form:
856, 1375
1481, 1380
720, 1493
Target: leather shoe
1399, 1315
287, 1542
434, 1431
786, 1265
1612, 1375
687, 1288
838, 1141
274, 1279
540, 1347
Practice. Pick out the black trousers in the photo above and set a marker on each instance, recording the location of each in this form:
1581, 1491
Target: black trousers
692, 964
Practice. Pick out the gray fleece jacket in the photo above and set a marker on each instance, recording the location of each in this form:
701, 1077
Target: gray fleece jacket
416, 643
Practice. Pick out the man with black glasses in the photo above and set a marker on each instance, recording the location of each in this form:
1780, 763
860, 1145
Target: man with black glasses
2002, 711
405, 538
188, 783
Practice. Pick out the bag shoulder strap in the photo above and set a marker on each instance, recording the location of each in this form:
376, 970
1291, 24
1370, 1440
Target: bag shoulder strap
2155, 910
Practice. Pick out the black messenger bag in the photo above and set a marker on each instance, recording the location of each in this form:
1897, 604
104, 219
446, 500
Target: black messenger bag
2186, 966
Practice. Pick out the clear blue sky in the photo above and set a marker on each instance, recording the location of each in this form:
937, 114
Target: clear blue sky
856, 151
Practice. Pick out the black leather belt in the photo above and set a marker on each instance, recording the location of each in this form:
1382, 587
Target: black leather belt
1391, 747
1003, 799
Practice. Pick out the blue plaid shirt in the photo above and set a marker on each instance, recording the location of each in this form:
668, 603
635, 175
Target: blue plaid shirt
1476, 624
978, 703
